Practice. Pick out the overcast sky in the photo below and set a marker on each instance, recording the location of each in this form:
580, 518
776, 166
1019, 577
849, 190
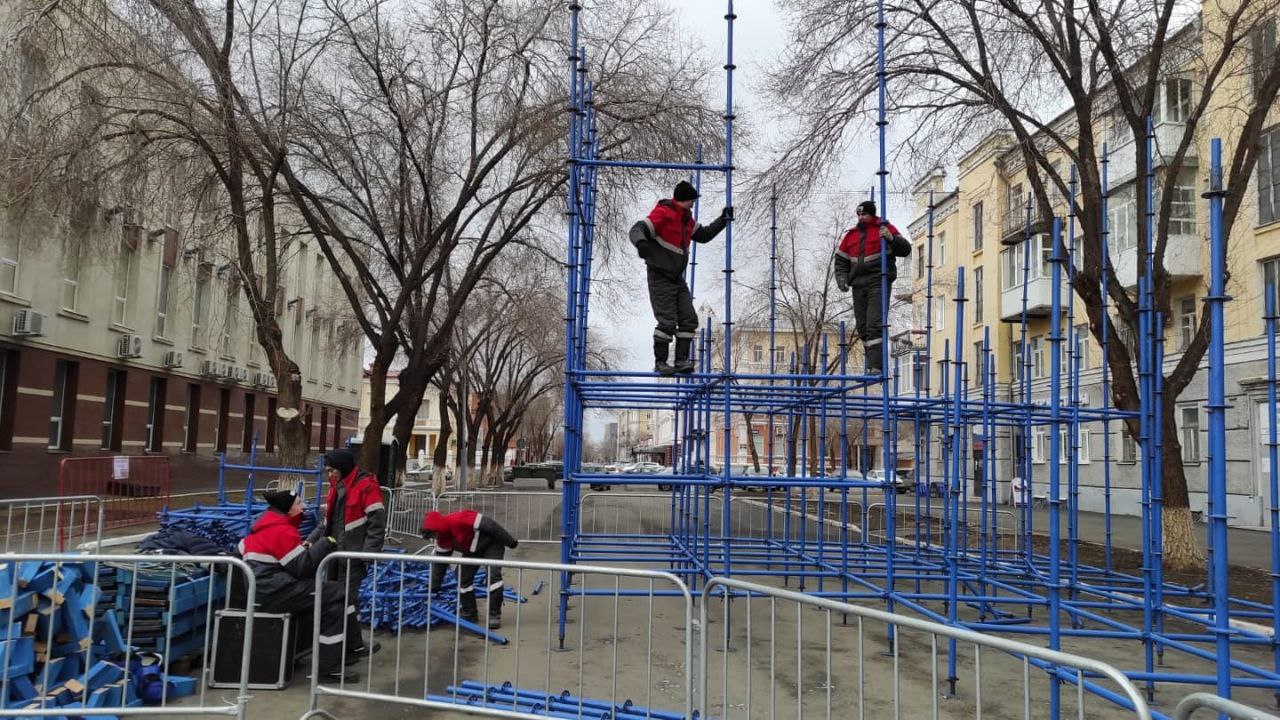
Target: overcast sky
760, 36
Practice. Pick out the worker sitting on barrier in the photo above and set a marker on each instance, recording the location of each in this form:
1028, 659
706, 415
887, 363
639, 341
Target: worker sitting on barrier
361, 526
285, 571
475, 536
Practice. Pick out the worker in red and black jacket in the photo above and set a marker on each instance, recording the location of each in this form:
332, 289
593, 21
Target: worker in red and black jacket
663, 240
858, 267
354, 515
475, 536
284, 569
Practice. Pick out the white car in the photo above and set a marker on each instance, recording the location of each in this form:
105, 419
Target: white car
899, 482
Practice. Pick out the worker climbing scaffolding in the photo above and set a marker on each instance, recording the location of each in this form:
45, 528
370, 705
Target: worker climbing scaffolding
865, 263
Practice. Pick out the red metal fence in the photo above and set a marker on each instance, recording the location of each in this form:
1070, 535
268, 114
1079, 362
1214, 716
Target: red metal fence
133, 488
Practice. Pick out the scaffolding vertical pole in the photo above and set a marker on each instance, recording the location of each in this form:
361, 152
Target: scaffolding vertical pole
729, 17
928, 379
954, 480
567, 532
1217, 421
1026, 491
1156, 368
1073, 346
1273, 465
1106, 367
1055, 450
886, 430
844, 468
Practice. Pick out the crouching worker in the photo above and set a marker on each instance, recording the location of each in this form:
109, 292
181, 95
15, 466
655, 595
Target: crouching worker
475, 536
285, 571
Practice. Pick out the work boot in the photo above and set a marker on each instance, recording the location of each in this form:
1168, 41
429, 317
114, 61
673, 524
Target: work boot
339, 676
470, 617
661, 349
495, 622
684, 364
356, 655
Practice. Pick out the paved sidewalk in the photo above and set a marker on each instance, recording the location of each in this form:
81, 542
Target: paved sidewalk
1247, 547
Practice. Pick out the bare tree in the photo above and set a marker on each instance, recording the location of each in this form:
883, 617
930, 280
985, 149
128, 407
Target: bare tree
959, 69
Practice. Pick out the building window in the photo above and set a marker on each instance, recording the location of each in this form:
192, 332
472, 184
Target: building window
1269, 177
113, 410
313, 352
126, 260
1270, 286
1128, 446
230, 310
1182, 205
199, 306
1010, 268
324, 427
940, 313
780, 356
1037, 357
1189, 432
224, 415
1122, 221
247, 438
10, 247
1081, 451
155, 415
1186, 322
1040, 449
162, 301
977, 226
270, 444
1264, 52
977, 295
8, 396
1176, 107
757, 354
62, 413
191, 429
942, 249
1017, 361
1081, 339
923, 259
979, 368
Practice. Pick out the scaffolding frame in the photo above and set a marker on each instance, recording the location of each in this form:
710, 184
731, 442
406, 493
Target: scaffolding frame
938, 566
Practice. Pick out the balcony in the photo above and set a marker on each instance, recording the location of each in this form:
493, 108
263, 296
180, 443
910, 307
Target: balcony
1039, 299
1182, 259
1013, 225
1122, 159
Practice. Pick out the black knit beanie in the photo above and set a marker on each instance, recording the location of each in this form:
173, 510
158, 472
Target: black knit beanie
340, 459
281, 500
685, 191
867, 206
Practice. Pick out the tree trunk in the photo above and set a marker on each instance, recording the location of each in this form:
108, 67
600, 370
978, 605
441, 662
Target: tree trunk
751, 443
412, 392
293, 430
1180, 547
440, 457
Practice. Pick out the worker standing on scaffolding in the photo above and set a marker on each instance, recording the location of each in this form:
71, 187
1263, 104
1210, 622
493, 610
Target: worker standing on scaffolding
858, 268
662, 239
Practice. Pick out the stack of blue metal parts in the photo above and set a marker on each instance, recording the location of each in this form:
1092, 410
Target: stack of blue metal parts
536, 702
399, 595
224, 523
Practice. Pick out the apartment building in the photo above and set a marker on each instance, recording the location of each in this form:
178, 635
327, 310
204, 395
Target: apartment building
124, 329
980, 221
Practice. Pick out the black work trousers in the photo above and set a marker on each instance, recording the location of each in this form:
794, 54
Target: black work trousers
868, 313
672, 305
493, 582
338, 620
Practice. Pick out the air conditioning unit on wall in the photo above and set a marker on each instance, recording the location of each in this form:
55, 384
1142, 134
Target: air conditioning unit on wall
173, 359
129, 346
209, 368
28, 323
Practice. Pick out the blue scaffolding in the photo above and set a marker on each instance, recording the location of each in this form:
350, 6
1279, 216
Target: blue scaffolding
942, 559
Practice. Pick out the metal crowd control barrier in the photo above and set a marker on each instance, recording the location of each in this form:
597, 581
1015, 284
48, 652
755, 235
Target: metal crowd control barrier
621, 642
81, 627
531, 516
406, 508
133, 488
51, 524
931, 524
1187, 707
788, 654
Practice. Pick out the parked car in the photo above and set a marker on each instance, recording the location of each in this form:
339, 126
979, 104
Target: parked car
509, 474
900, 481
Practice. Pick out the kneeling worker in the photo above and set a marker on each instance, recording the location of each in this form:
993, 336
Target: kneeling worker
475, 536
285, 571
